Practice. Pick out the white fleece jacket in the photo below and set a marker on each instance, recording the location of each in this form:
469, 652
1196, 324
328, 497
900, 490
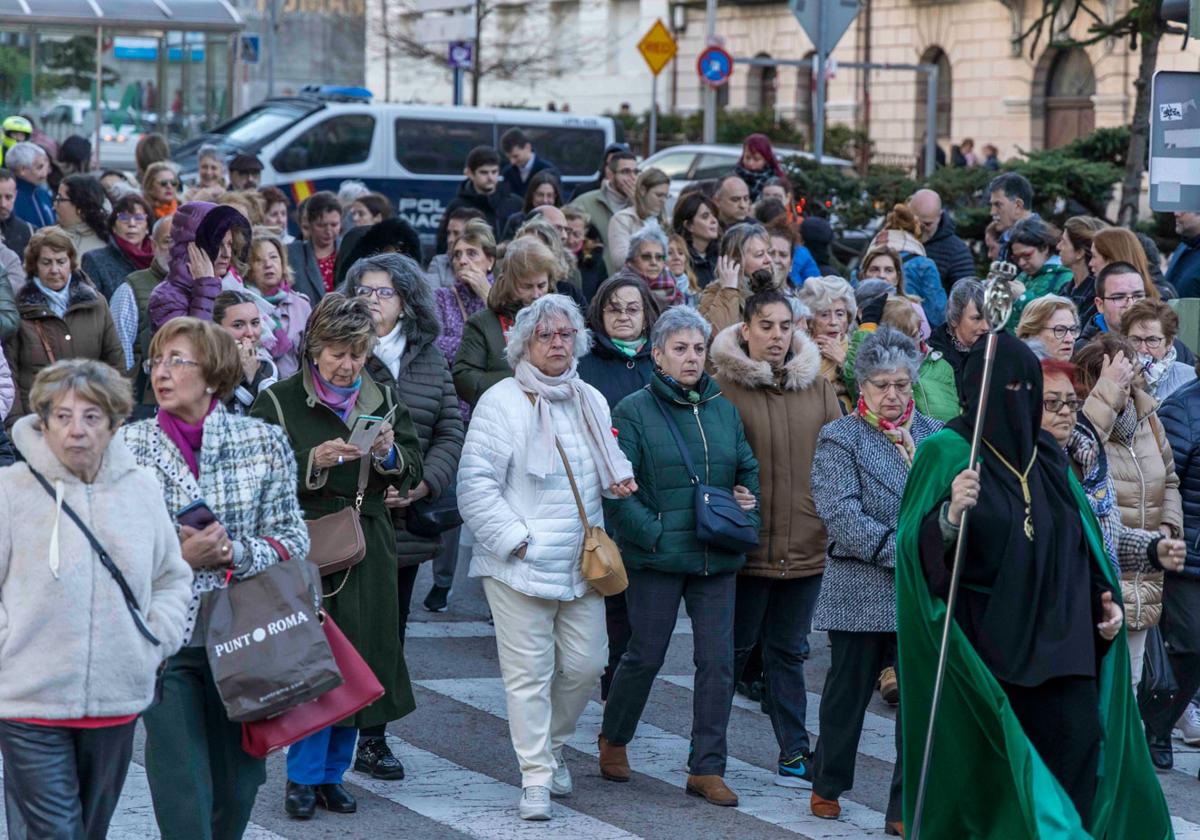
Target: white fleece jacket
68, 646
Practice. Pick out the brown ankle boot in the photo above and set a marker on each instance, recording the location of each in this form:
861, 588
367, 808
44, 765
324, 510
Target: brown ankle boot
614, 764
894, 829
826, 809
712, 788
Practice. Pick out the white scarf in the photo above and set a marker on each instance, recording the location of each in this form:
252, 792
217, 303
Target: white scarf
390, 348
611, 463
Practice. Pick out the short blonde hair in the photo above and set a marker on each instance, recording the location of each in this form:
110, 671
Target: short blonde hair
1037, 313
898, 312
154, 170
52, 237
263, 237
249, 202
91, 380
216, 352
338, 319
523, 258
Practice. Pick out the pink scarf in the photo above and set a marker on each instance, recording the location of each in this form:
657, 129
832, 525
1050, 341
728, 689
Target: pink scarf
340, 400
185, 436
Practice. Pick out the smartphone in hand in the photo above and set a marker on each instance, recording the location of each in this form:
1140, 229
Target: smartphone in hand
197, 515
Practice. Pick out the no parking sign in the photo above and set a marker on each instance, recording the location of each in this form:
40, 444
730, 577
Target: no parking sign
715, 66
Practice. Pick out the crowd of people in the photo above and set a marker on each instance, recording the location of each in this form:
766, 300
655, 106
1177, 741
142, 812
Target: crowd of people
565, 363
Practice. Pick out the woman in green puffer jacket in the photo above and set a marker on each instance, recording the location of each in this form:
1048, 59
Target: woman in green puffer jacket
935, 392
656, 531
1031, 246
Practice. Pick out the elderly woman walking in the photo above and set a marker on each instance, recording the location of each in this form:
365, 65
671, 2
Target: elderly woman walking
406, 360
202, 783
66, 728
771, 371
666, 561
539, 449
859, 471
316, 409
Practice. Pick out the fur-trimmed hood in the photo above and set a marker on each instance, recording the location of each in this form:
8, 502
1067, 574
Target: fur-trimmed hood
32, 303
730, 359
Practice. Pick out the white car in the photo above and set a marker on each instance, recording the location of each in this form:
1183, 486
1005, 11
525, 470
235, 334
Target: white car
689, 163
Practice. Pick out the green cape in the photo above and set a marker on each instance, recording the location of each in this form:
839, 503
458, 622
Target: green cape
986, 780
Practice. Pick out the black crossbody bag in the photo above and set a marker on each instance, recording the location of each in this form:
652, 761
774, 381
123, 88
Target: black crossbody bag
720, 521
105, 560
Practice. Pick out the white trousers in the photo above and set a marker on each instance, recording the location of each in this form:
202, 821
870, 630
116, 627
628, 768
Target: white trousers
1137, 653
551, 656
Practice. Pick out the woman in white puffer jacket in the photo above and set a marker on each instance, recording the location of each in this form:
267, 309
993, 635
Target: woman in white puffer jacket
515, 496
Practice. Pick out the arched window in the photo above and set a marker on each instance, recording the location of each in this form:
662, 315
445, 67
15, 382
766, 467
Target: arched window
1070, 86
760, 90
945, 97
806, 94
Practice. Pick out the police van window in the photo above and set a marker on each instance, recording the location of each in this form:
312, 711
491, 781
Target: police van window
575, 151
426, 147
338, 141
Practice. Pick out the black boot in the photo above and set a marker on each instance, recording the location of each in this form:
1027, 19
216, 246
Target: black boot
435, 601
336, 798
376, 760
300, 801
1160, 751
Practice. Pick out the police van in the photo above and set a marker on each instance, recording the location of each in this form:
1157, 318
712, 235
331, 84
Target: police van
413, 154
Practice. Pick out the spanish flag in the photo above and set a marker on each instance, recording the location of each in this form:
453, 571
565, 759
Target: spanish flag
302, 190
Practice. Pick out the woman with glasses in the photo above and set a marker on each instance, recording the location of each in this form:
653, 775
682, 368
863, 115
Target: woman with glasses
1031, 243
1151, 327
160, 185
1142, 466
833, 306
201, 781
650, 193
647, 263
129, 248
859, 472
1053, 321
534, 435
79, 203
62, 316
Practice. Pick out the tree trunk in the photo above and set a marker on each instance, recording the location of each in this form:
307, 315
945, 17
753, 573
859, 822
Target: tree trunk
1139, 133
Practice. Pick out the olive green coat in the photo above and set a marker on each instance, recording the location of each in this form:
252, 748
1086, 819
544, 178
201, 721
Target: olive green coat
366, 606
480, 362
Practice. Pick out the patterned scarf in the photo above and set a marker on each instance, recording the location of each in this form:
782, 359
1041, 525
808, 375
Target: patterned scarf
340, 399
897, 432
1126, 424
1156, 370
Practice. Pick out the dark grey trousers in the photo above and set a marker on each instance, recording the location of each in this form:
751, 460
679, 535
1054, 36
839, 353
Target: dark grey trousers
61, 783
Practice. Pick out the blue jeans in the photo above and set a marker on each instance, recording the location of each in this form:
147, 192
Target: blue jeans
323, 757
780, 613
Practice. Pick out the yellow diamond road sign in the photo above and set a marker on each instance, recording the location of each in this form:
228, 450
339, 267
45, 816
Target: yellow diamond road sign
657, 47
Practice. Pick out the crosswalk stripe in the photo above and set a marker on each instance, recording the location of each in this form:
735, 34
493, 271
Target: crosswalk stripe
662, 755
134, 816
472, 803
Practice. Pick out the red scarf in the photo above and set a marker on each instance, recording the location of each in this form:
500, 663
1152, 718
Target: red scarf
140, 255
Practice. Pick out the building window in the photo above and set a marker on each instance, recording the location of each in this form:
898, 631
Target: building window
1070, 86
945, 96
338, 141
760, 90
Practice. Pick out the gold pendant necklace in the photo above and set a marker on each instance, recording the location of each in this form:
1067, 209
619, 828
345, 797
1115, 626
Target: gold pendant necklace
1024, 479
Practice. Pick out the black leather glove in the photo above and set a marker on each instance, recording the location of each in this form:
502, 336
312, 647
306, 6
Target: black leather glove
872, 310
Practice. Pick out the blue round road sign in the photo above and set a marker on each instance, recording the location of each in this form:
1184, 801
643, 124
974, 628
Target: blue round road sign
715, 66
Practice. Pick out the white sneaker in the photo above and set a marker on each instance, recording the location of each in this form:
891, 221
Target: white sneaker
1188, 726
560, 784
535, 803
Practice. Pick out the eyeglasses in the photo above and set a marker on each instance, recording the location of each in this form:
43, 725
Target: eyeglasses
1130, 298
131, 217
1055, 405
381, 292
1062, 331
61, 198
650, 258
171, 363
1150, 342
633, 310
902, 387
548, 336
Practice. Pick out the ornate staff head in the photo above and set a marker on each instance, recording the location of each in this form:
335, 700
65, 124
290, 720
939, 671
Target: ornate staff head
1000, 290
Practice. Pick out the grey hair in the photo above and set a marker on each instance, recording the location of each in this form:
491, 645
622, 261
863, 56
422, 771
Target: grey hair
963, 292
677, 319
208, 150
886, 349
338, 319
528, 319
649, 232
799, 308
821, 293
162, 223
91, 380
420, 321
23, 154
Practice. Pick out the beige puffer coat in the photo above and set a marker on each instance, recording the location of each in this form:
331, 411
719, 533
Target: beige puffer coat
1143, 471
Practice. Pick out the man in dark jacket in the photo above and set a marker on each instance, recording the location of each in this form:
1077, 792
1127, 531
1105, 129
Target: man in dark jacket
1114, 285
14, 231
1183, 271
523, 161
483, 191
942, 245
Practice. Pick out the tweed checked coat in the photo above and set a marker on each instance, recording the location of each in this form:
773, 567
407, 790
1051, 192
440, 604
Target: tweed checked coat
247, 476
857, 480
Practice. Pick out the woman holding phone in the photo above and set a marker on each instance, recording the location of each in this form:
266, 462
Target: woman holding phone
201, 782
319, 409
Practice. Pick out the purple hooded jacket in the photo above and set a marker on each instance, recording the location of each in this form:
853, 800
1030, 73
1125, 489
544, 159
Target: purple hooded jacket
180, 293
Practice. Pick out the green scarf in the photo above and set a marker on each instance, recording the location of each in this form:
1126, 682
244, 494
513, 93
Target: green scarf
629, 348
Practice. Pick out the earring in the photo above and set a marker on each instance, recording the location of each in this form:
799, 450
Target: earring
210, 390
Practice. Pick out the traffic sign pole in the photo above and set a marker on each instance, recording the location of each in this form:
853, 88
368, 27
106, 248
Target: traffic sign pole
658, 48
819, 110
710, 93
653, 143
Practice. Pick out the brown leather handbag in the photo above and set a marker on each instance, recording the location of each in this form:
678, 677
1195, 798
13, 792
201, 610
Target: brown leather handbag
600, 562
336, 541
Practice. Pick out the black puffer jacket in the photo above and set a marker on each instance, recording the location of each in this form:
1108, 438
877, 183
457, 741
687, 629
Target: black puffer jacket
426, 388
1180, 416
614, 374
949, 253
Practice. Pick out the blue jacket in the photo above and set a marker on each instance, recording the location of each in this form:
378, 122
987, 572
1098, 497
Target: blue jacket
803, 266
35, 204
922, 278
1180, 416
1183, 271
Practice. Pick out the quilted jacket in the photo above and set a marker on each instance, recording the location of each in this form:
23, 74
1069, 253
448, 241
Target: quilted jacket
504, 505
1180, 416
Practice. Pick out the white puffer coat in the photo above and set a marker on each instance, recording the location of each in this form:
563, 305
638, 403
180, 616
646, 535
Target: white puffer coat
504, 505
